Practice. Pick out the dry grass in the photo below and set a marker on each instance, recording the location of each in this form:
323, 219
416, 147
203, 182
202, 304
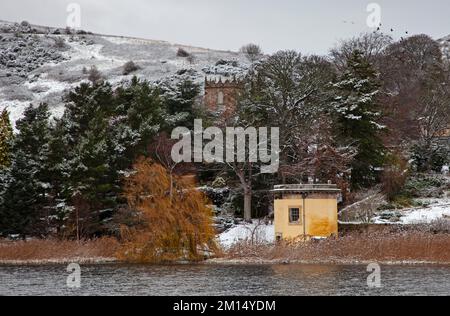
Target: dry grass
380, 247
57, 250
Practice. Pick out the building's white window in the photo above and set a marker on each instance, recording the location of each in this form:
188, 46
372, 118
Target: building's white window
220, 101
294, 215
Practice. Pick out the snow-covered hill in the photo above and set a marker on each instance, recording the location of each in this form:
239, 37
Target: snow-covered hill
445, 43
40, 64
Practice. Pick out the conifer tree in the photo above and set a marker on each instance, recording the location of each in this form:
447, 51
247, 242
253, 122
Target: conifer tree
358, 118
180, 101
6, 136
25, 195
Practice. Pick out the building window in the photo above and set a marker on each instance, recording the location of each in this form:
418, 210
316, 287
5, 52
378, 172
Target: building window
294, 215
220, 101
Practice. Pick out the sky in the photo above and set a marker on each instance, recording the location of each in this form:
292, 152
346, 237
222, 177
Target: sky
311, 27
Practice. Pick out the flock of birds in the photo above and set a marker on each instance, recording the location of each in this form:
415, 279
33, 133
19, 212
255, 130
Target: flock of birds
379, 28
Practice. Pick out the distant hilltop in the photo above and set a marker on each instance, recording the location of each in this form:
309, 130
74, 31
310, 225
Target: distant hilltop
41, 63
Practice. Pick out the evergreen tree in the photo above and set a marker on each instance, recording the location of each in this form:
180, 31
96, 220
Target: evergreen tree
141, 106
67, 177
25, 195
6, 136
57, 174
358, 116
89, 183
104, 131
180, 102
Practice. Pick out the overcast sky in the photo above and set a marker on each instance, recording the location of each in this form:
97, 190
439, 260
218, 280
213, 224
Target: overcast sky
309, 26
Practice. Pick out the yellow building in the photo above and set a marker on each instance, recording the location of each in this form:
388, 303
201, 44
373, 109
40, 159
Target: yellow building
306, 211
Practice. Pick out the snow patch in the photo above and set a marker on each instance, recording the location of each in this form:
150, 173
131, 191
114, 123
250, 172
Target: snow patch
42, 88
131, 41
438, 210
256, 232
83, 52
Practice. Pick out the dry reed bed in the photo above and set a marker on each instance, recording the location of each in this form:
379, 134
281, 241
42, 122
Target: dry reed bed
53, 251
412, 247
386, 247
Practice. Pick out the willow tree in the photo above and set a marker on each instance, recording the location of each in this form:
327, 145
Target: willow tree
174, 224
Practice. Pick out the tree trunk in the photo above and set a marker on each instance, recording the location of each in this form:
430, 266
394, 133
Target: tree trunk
247, 204
78, 226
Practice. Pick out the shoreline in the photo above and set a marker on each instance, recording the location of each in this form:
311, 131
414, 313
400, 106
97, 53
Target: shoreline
339, 262
62, 261
220, 261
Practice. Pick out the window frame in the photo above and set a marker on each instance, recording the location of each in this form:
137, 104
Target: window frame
299, 221
220, 100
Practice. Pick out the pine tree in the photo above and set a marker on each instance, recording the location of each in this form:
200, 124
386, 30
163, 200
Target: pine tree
104, 131
57, 173
90, 184
6, 136
180, 102
24, 199
358, 115
141, 106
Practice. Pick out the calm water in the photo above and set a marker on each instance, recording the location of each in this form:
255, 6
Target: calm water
225, 280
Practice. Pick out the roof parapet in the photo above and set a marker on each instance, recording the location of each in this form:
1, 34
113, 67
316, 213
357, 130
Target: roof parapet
306, 188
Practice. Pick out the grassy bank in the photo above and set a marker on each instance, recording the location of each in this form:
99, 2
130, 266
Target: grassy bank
401, 247
57, 251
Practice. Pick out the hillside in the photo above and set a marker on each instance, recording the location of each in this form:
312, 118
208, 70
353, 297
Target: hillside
445, 42
39, 64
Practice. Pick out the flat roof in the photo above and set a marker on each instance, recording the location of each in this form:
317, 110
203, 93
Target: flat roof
306, 188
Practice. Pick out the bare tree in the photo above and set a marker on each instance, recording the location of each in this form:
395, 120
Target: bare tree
364, 210
161, 149
434, 115
372, 46
285, 91
191, 59
94, 75
253, 52
415, 84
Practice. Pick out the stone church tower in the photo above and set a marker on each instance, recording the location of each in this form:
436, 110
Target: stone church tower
221, 97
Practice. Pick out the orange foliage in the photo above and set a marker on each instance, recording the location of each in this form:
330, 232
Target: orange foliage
178, 223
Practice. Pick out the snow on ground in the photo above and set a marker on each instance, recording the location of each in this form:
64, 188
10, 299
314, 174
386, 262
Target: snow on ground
434, 209
438, 209
84, 52
42, 88
258, 233
131, 41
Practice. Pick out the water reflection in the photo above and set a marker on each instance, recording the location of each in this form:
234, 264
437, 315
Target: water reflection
225, 280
